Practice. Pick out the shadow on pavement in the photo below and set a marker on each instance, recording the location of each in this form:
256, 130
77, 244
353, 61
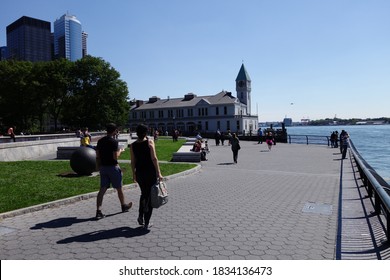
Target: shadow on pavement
67, 222
61, 222
105, 234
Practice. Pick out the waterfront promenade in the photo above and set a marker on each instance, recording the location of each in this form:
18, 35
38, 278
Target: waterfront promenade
295, 202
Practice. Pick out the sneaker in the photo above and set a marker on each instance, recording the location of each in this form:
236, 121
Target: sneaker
99, 215
147, 227
126, 207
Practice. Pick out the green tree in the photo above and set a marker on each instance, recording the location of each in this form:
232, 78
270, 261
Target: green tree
55, 81
16, 94
98, 95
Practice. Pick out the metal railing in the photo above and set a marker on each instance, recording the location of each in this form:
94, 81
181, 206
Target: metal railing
376, 187
308, 139
25, 138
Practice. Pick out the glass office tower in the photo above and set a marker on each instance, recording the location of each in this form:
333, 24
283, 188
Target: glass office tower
29, 39
68, 38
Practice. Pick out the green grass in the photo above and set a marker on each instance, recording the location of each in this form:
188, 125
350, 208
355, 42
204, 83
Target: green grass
164, 149
28, 183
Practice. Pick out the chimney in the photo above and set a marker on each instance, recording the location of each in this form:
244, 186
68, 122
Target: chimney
139, 103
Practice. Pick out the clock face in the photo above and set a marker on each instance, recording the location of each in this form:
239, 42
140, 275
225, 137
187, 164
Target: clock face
241, 83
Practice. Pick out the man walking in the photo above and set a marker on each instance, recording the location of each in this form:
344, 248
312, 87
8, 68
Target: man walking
107, 154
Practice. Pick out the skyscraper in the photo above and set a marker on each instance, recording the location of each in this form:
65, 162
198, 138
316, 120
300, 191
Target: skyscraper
3, 53
29, 39
68, 38
84, 38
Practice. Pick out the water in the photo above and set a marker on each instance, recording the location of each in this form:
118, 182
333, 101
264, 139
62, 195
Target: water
372, 142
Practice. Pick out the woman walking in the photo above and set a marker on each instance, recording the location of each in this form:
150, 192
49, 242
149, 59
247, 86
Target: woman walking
146, 171
235, 146
269, 139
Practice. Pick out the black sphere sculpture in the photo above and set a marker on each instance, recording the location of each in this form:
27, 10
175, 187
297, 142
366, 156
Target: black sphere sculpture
83, 161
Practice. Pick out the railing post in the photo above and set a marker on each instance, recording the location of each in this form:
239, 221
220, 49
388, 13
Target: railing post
377, 205
369, 187
388, 227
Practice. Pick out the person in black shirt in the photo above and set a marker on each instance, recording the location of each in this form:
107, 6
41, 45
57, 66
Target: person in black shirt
146, 171
107, 154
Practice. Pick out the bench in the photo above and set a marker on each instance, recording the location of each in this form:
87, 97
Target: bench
66, 152
184, 154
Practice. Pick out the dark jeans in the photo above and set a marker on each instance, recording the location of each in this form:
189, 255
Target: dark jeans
344, 151
235, 154
145, 209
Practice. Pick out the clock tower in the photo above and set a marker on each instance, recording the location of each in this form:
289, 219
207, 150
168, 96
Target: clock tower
243, 88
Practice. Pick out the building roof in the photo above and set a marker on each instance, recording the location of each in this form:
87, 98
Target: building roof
243, 74
189, 100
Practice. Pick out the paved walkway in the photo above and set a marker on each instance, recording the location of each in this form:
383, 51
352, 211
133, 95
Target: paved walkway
284, 204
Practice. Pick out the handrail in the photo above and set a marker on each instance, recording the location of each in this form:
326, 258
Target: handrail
309, 139
39, 137
376, 186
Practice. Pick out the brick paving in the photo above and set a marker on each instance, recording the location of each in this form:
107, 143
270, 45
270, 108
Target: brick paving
283, 204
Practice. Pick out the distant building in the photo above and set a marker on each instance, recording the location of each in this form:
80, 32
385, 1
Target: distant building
305, 121
84, 37
68, 38
287, 121
205, 114
3, 53
29, 39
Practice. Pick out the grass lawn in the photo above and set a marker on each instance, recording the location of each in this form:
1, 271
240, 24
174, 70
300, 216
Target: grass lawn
27, 183
164, 149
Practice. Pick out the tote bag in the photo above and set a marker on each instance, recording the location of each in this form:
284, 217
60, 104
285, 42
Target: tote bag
159, 194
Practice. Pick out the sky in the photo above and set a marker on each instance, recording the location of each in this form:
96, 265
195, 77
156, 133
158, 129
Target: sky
306, 58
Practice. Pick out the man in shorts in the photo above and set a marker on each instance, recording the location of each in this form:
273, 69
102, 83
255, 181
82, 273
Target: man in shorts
107, 154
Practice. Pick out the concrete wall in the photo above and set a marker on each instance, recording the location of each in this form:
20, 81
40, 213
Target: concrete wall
15, 151
33, 149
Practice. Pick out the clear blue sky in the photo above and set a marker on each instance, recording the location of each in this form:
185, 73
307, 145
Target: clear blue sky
306, 58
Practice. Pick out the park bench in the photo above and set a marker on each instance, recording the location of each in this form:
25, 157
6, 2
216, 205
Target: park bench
184, 154
66, 152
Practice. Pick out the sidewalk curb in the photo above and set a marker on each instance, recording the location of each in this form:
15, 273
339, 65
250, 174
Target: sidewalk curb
86, 196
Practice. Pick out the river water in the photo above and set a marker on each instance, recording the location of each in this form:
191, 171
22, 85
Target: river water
372, 142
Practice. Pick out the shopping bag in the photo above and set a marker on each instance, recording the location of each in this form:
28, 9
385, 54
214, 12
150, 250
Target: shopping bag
159, 194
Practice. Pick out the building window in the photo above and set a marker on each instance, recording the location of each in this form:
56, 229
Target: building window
151, 114
199, 125
238, 125
217, 111
225, 110
203, 112
134, 115
228, 125
206, 124
190, 112
170, 113
160, 113
218, 124
179, 113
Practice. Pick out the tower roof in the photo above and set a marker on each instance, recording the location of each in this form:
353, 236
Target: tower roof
242, 74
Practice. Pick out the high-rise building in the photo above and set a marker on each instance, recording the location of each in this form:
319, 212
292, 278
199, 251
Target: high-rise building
84, 37
68, 38
29, 39
3, 53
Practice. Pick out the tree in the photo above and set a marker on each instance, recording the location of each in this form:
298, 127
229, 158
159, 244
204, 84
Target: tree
98, 95
55, 78
16, 94
88, 92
